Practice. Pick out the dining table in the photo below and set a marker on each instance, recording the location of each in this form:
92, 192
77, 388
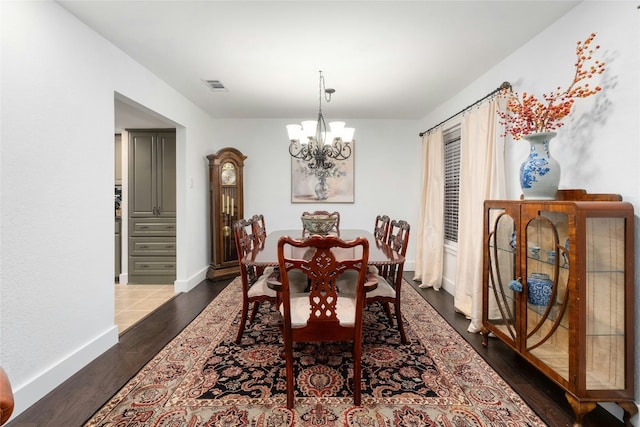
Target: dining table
266, 254
380, 253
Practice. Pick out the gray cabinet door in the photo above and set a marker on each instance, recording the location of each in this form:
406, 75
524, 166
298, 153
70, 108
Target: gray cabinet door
142, 174
166, 175
152, 173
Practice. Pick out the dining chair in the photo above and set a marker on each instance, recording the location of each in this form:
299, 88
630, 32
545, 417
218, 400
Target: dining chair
255, 289
381, 233
390, 277
259, 235
381, 227
259, 229
324, 313
336, 214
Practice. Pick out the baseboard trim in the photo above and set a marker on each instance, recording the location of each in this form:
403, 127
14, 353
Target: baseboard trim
191, 282
448, 286
35, 389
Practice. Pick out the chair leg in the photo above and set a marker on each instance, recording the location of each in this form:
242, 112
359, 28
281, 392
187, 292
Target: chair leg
387, 310
256, 305
403, 336
243, 321
357, 374
291, 381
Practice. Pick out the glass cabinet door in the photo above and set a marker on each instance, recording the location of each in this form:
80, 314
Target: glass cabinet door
605, 304
547, 295
501, 296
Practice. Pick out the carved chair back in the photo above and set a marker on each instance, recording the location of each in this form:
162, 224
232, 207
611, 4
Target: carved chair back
323, 314
381, 227
258, 229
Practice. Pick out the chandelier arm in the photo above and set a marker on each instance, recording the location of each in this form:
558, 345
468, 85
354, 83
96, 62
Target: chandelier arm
340, 151
299, 150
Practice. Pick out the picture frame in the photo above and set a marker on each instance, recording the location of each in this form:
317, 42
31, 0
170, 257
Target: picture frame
334, 185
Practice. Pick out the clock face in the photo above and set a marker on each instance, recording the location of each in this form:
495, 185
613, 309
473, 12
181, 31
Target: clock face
228, 174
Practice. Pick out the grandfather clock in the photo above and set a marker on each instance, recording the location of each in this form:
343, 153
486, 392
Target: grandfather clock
226, 205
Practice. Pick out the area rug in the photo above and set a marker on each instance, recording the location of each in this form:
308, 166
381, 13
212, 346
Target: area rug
202, 378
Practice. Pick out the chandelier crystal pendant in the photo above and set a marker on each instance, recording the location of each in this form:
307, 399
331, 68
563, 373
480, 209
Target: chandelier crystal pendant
314, 144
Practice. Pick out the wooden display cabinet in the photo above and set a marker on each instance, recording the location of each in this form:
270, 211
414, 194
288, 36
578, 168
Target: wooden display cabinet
558, 288
226, 205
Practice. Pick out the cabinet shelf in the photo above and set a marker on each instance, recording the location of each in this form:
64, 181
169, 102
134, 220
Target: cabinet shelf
575, 322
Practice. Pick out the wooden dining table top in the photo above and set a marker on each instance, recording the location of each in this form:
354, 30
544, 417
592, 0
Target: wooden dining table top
379, 252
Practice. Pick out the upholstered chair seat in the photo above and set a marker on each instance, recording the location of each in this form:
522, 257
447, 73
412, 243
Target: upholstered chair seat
261, 288
383, 290
300, 308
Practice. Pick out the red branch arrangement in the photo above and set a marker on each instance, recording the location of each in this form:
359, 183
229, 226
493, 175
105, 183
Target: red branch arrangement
529, 115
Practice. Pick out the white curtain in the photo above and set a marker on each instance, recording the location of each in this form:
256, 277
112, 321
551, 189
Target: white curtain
430, 241
481, 177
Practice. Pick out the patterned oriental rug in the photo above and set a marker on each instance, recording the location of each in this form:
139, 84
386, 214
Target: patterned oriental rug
202, 378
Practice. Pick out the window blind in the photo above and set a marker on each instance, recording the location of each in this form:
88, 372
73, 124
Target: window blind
451, 183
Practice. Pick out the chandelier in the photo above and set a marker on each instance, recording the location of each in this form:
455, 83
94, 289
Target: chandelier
312, 143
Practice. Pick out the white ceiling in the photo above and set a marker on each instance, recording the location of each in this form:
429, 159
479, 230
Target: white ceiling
386, 59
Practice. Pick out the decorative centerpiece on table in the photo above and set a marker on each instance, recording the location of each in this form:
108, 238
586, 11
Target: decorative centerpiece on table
318, 224
535, 120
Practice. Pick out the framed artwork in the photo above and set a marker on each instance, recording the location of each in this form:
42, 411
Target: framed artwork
333, 185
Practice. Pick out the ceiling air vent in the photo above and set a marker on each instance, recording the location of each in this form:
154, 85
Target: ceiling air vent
215, 85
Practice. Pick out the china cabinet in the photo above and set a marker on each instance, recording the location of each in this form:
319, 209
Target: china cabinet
558, 288
226, 205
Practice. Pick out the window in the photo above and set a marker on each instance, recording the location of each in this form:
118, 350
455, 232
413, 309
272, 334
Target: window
451, 183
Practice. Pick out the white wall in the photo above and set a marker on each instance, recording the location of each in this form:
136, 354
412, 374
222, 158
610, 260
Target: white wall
57, 296
611, 117
387, 172
599, 147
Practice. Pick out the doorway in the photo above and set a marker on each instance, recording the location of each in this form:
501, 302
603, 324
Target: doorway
133, 302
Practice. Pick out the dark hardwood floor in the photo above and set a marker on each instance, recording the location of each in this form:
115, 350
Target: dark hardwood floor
540, 393
73, 402
78, 398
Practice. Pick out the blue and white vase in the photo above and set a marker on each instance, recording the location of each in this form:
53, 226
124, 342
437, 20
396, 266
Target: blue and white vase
540, 173
539, 287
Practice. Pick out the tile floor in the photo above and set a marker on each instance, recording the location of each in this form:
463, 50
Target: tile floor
134, 302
